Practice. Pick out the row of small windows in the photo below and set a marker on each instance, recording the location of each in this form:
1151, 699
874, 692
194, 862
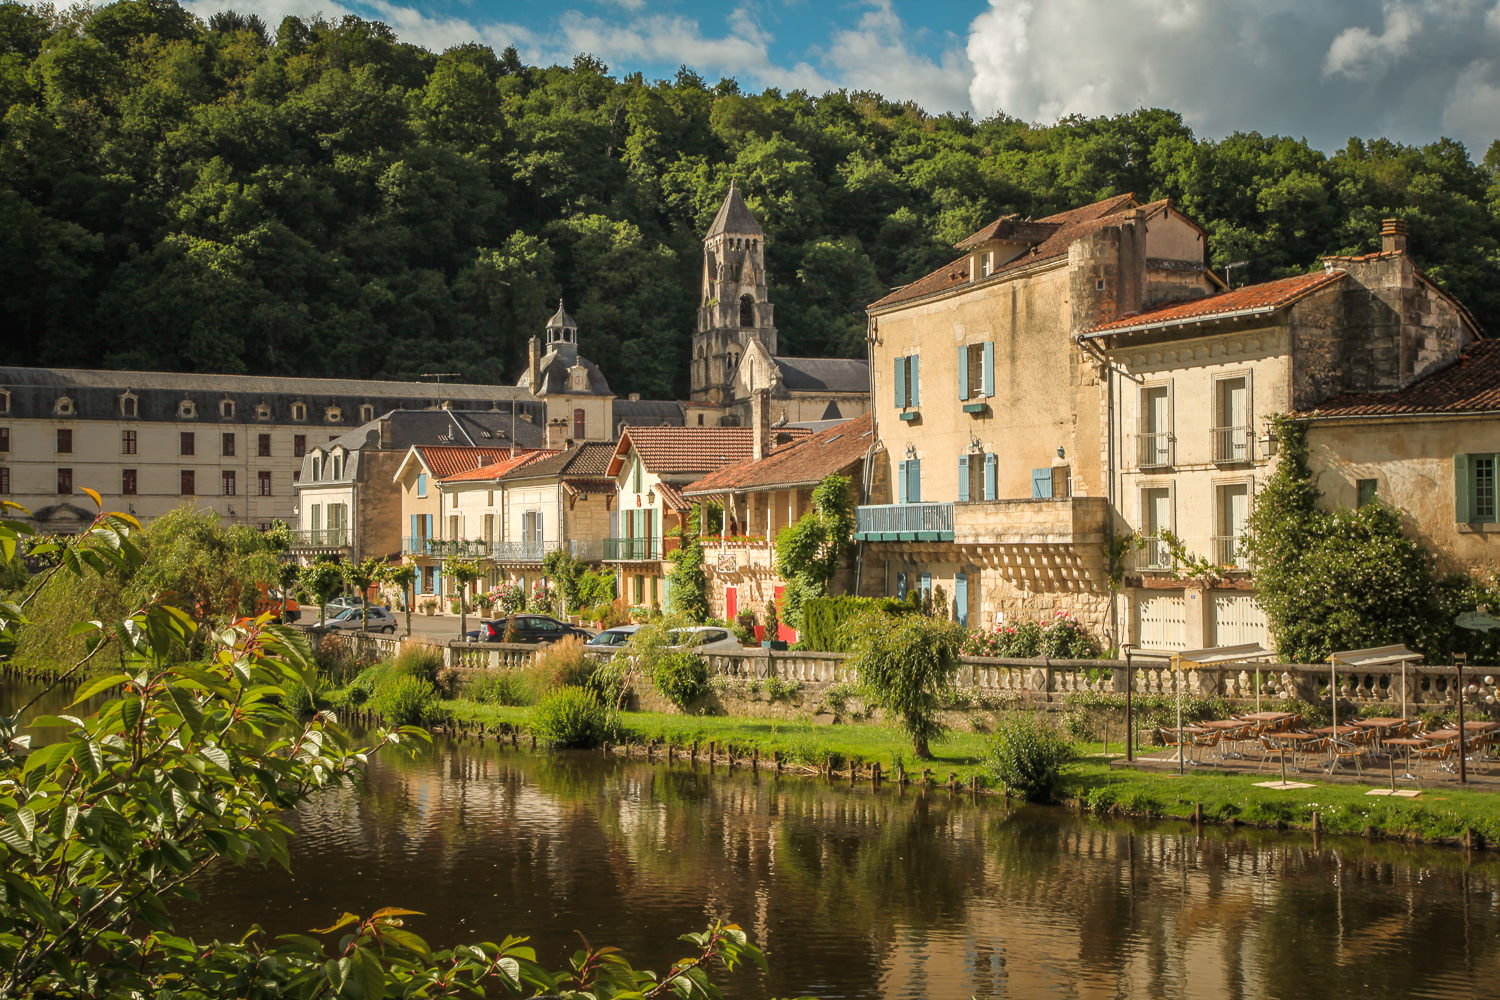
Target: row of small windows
187, 409
187, 443
187, 482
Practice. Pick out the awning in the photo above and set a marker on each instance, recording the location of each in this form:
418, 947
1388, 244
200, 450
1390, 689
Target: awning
1225, 654
1376, 656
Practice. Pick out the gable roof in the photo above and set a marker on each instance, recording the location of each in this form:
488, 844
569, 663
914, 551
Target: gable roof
669, 450
806, 462
582, 461
1249, 300
1469, 385
734, 216
823, 374
495, 470
442, 461
1063, 230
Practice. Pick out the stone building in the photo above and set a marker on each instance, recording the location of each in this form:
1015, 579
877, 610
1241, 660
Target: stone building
580, 404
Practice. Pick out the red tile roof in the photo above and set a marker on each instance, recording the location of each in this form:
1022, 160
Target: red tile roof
797, 464
1066, 228
497, 469
1469, 385
449, 460
672, 498
1265, 297
667, 450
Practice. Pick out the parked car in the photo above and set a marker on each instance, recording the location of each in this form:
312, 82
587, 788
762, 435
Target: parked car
344, 603
353, 620
528, 628
617, 636
708, 638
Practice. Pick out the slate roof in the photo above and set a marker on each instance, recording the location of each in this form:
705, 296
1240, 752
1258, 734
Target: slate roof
1066, 228
449, 460
475, 428
802, 463
824, 374
734, 217
496, 470
1265, 297
647, 413
669, 450
552, 376
589, 460
1469, 385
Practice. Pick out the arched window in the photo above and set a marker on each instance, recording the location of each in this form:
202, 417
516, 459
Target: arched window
366, 413
226, 408
128, 404
299, 411
747, 311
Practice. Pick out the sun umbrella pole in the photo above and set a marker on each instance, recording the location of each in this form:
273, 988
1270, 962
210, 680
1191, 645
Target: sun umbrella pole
1177, 682
1333, 690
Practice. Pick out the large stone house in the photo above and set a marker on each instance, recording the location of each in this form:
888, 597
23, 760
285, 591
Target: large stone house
1059, 404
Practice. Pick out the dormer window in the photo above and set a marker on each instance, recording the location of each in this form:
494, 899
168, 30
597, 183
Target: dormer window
187, 409
63, 407
987, 263
366, 413
263, 410
129, 404
580, 379
4, 401
226, 409
333, 414
316, 467
299, 411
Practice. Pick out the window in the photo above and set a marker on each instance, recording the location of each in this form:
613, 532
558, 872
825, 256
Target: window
333, 414
187, 483
127, 482
315, 467
909, 481
226, 408
64, 441
64, 481
1474, 488
635, 476
263, 483
1042, 484
1365, 489
228, 446
907, 382
1156, 517
489, 527
453, 527
228, 476
296, 475
747, 310
185, 443
454, 505
977, 477
127, 442
263, 445
299, 445
263, 410
1155, 439
961, 599
580, 424
4, 401
1233, 513
986, 263
63, 407
4, 479
976, 370
338, 465
187, 409
421, 484
128, 405
299, 411
901, 586
4, 439
1232, 426
366, 413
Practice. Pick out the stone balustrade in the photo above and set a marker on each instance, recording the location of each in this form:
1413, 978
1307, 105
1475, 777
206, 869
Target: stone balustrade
1428, 688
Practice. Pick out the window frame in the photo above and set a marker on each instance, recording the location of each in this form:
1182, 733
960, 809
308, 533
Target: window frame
129, 443
227, 445
1466, 488
187, 443
65, 440
64, 481
263, 446
187, 483
129, 482
263, 483
229, 485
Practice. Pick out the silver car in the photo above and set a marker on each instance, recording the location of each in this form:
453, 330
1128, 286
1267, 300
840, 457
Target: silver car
353, 620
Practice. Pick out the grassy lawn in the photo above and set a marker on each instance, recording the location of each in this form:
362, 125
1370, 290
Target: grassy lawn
1440, 814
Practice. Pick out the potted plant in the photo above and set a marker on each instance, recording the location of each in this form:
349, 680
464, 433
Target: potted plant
773, 626
429, 606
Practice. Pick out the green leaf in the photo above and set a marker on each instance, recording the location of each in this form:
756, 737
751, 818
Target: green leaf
344, 921
48, 757
97, 685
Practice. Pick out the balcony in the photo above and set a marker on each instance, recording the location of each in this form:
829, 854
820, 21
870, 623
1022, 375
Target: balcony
1155, 555
1229, 552
320, 539
904, 522
738, 552
1051, 521
632, 549
1153, 450
1233, 444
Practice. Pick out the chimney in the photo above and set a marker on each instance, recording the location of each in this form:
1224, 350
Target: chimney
532, 368
760, 423
1392, 236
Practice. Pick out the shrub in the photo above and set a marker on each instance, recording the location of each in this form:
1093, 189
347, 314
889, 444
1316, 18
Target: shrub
681, 676
298, 699
562, 664
907, 667
447, 682
1028, 756
336, 658
497, 687
569, 718
1065, 639
419, 659
823, 619
406, 700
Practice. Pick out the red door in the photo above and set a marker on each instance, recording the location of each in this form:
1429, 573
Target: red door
731, 603
783, 631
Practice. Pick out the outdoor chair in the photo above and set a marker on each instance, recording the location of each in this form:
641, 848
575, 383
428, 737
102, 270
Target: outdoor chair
1280, 752
1342, 751
1172, 740
1206, 743
1438, 756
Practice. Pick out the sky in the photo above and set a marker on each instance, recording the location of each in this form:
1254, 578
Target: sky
1324, 70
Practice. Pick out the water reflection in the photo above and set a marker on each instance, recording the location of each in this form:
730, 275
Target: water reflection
862, 894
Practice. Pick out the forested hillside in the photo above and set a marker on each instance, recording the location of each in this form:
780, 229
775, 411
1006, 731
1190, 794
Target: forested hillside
319, 198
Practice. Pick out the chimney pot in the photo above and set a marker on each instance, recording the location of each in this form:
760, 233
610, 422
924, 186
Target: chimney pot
1393, 236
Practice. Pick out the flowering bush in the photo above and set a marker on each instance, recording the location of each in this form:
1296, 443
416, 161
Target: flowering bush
1062, 638
540, 601
508, 598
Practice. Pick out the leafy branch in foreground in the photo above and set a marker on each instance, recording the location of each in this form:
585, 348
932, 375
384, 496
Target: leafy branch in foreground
181, 765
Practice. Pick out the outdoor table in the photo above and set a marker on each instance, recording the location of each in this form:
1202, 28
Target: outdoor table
1296, 740
1407, 743
1379, 727
1269, 716
1227, 726
1341, 731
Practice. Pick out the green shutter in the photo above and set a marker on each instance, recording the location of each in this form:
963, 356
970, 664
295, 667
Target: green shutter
914, 388
901, 482
963, 478
963, 373
961, 599
991, 476
987, 386
914, 481
900, 383
1462, 488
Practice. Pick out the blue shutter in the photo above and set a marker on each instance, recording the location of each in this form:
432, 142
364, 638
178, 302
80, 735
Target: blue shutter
901, 383
901, 483
963, 478
421, 484
991, 477
926, 584
987, 385
900, 586
427, 522
1041, 484
437, 581
415, 530
914, 481
963, 372
914, 389
961, 599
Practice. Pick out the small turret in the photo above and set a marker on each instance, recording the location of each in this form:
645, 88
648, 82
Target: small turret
562, 335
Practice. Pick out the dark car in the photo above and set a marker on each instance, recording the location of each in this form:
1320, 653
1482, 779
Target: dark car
528, 628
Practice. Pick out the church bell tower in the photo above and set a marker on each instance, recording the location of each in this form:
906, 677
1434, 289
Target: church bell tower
735, 307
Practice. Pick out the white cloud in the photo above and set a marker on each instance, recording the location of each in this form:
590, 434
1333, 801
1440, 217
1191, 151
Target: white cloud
875, 56
1324, 70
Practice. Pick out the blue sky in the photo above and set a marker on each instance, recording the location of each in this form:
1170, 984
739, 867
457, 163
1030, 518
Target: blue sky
1411, 70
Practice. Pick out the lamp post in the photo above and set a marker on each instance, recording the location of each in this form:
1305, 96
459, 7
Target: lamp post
1127, 647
